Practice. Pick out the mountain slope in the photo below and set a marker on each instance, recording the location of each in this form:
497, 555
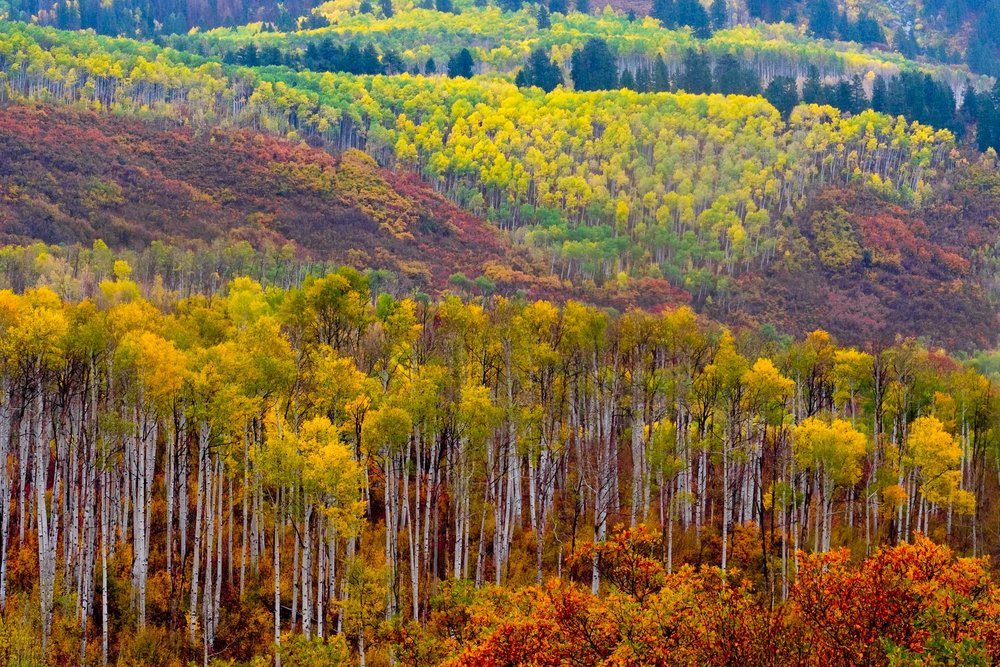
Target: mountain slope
73, 177
866, 269
679, 186
615, 192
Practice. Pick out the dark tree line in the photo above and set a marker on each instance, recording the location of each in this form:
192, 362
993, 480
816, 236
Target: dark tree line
540, 71
827, 22
984, 110
824, 18
329, 56
912, 94
980, 18
322, 56
146, 18
594, 67
915, 95
692, 14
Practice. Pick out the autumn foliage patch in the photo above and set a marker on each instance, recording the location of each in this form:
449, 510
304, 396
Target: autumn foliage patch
910, 604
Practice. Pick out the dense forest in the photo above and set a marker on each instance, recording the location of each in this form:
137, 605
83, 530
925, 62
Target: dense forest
947, 31
515, 333
341, 452
686, 187
152, 17
854, 263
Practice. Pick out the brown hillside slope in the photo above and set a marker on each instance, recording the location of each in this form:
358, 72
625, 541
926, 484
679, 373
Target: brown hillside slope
68, 177
868, 270
861, 267
73, 177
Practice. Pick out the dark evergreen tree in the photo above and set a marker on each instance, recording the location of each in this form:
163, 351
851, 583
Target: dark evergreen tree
731, 78
445, 6
271, 56
366, 7
696, 73
970, 106
540, 71
392, 63
823, 18
248, 56
285, 22
352, 59
906, 43
627, 80
896, 97
331, 55
430, 67
880, 95
582, 6
728, 75
859, 100
940, 104
542, 18
594, 67
988, 121
310, 56
849, 95
387, 10
661, 76
983, 56
665, 11
692, 14
643, 81
557, 6
370, 63
843, 98
68, 15
812, 89
783, 94
719, 14
313, 21
867, 30
461, 64
842, 26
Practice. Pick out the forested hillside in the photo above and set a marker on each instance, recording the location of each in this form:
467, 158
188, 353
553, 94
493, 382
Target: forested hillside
617, 190
868, 269
343, 454
470, 333
686, 187
72, 177
151, 17
943, 31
